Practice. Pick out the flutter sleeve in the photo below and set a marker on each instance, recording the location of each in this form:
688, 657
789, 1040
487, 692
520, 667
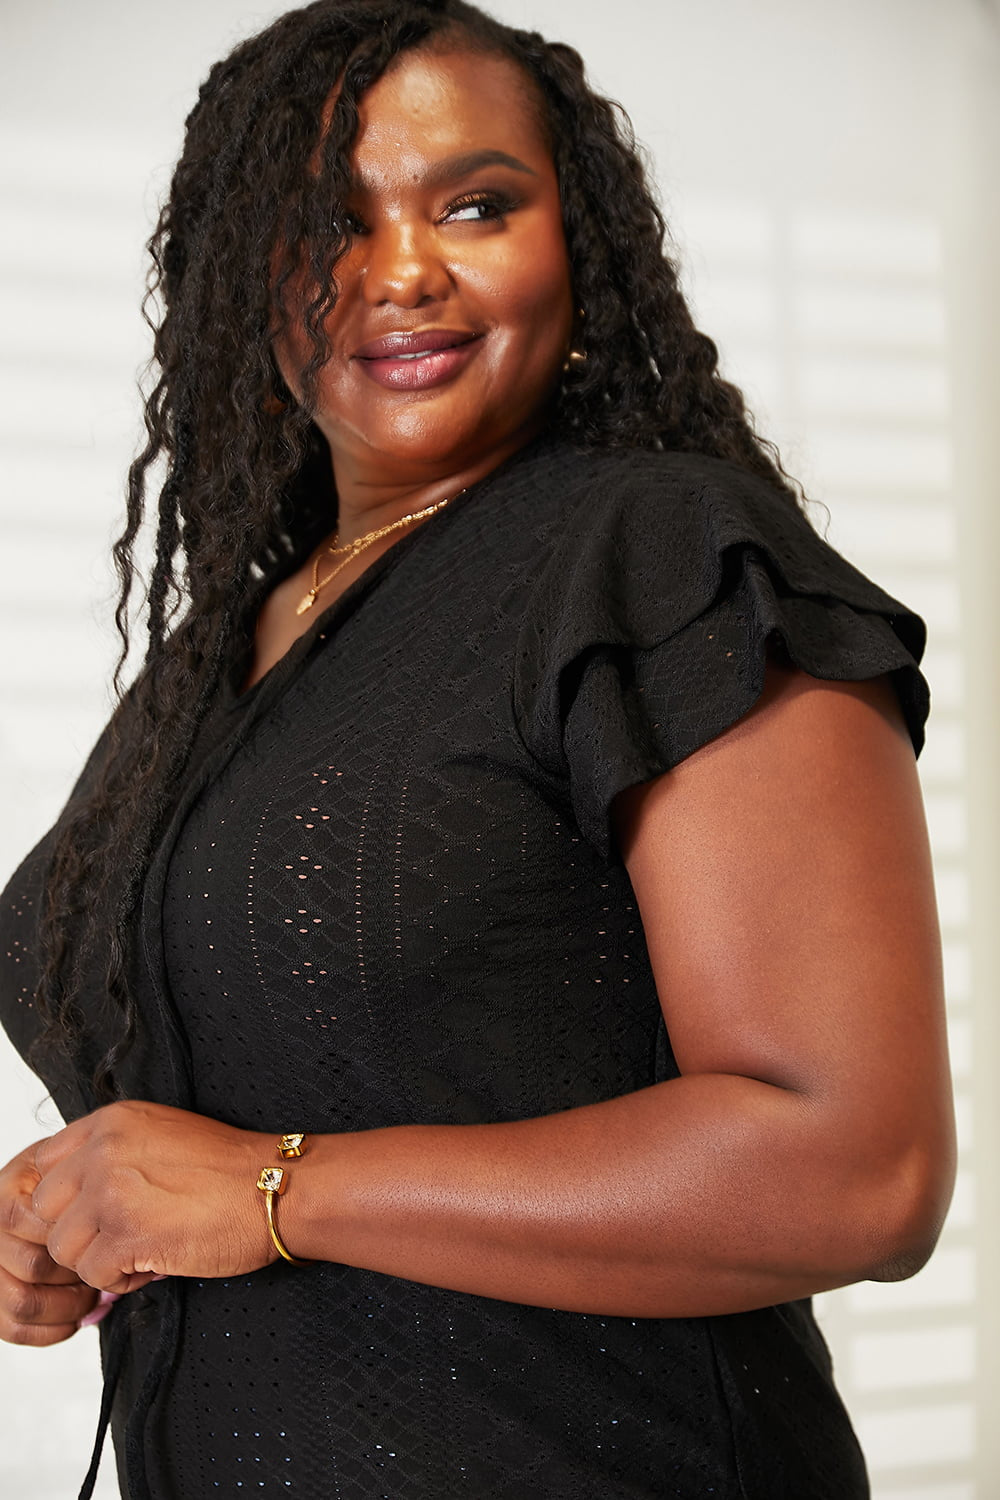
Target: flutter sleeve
647, 632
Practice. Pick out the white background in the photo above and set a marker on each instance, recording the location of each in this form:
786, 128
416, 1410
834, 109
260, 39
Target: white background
830, 175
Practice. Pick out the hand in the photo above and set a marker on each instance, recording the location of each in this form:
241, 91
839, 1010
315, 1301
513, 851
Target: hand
40, 1302
138, 1190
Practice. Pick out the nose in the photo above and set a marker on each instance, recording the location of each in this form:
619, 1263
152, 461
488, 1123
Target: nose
403, 264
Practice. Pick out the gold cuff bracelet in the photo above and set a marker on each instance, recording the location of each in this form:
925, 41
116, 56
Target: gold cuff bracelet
272, 1183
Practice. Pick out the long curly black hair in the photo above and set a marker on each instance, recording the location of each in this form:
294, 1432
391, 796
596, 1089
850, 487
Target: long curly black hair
240, 469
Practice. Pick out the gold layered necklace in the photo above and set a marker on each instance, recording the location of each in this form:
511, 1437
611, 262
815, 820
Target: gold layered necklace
350, 550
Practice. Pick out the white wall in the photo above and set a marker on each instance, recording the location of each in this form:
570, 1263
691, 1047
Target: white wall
830, 174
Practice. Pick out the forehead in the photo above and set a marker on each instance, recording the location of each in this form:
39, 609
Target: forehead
433, 104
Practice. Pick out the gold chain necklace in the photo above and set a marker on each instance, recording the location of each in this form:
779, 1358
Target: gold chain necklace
351, 549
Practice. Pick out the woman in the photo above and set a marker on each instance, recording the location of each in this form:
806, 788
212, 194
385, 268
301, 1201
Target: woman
518, 798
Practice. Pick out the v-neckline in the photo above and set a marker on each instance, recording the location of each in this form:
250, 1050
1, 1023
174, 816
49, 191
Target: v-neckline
328, 621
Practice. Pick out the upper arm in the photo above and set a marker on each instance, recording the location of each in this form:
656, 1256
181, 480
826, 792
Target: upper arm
783, 877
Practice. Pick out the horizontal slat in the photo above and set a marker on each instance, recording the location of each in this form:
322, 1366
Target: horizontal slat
945, 1490
52, 325
839, 313
915, 389
915, 1435
868, 245
913, 460
913, 1357
907, 529
948, 1280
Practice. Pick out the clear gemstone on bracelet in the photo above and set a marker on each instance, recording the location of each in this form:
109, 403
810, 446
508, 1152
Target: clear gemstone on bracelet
291, 1144
271, 1179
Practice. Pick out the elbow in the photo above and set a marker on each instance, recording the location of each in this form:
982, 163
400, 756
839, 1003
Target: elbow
906, 1211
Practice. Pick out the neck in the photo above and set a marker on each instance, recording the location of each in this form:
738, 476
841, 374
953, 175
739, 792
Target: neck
370, 496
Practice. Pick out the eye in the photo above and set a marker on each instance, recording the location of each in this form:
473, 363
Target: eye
350, 224
479, 208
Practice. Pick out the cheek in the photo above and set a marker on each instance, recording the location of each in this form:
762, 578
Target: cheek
292, 351
531, 294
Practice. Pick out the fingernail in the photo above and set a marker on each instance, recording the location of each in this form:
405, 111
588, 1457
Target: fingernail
100, 1310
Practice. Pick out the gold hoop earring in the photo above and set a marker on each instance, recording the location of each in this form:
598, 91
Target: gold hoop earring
576, 356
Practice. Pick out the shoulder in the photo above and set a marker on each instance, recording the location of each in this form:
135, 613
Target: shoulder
669, 578
677, 514
670, 486
656, 537
691, 500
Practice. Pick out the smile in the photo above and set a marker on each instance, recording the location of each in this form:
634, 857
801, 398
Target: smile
417, 361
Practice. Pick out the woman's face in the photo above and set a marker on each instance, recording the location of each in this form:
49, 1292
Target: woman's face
455, 307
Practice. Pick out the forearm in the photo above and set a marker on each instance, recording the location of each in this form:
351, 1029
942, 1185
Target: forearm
708, 1194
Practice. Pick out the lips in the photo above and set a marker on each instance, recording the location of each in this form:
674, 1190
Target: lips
419, 360
414, 345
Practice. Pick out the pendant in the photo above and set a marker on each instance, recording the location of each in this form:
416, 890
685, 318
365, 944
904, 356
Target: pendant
306, 603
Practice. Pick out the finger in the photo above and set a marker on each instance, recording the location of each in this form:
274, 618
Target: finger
20, 1219
48, 1152
95, 1269
37, 1335
23, 1305
54, 1194
32, 1263
96, 1258
70, 1240
22, 1165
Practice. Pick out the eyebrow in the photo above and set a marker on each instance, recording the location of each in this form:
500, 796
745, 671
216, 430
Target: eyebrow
451, 168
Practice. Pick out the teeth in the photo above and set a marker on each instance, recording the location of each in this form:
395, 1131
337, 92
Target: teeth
423, 354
